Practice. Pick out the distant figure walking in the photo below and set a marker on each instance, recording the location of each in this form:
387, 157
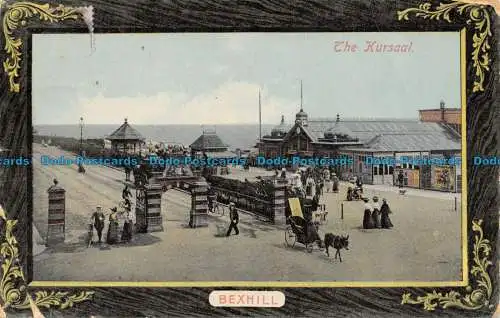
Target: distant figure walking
126, 194
335, 183
401, 178
385, 211
376, 213
234, 218
98, 221
359, 183
127, 173
283, 173
367, 218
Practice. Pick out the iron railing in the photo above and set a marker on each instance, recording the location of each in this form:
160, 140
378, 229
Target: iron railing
245, 202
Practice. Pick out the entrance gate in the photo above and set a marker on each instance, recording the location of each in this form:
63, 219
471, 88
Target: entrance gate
148, 208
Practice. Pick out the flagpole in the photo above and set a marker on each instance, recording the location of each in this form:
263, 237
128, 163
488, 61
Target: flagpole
301, 96
260, 118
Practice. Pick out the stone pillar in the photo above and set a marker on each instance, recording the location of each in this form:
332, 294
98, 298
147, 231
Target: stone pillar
279, 201
57, 208
154, 219
198, 215
141, 224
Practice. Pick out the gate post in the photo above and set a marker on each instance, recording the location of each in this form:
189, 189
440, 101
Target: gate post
198, 215
56, 215
141, 224
279, 202
154, 220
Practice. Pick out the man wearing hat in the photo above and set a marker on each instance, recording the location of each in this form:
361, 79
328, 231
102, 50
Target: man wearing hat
283, 173
235, 218
98, 220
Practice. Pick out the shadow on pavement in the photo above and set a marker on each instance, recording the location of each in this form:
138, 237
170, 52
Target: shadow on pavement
139, 239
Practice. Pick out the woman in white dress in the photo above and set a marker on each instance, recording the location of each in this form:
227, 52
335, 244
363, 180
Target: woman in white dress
376, 213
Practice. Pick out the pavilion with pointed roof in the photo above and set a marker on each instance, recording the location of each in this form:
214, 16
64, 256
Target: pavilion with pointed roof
211, 144
126, 139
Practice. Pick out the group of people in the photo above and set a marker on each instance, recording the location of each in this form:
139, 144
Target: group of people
376, 216
98, 221
313, 181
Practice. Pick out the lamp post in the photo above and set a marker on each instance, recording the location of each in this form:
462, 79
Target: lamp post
80, 165
81, 136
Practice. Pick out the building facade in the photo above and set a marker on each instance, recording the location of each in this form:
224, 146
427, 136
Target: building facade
450, 117
397, 144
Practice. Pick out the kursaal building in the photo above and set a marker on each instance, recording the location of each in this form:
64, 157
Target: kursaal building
435, 135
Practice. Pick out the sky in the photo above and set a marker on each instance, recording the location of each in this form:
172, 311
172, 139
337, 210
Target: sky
215, 78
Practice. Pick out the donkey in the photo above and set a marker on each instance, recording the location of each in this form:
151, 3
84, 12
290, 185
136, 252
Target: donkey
338, 242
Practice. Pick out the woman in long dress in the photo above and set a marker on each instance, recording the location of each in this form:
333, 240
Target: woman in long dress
127, 230
335, 183
367, 218
127, 226
385, 211
376, 213
112, 237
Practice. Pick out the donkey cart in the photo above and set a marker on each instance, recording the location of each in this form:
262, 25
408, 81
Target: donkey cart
299, 230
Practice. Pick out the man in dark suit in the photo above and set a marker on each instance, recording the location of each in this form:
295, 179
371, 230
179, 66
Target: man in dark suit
127, 172
401, 179
235, 218
98, 219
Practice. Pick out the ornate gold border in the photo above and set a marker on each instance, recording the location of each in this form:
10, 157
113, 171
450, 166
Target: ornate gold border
17, 13
478, 16
13, 288
476, 298
480, 296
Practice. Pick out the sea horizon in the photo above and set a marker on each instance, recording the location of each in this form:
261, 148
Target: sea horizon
242, 136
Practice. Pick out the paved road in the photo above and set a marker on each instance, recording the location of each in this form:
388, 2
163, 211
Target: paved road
424, 245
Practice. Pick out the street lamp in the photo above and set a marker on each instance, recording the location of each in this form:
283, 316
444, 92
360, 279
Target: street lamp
81, 136
80, 165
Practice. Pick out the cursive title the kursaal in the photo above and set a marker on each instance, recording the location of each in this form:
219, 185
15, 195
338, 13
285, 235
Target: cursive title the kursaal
372, 47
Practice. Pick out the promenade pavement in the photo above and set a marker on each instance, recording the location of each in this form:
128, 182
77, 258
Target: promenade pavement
425, 244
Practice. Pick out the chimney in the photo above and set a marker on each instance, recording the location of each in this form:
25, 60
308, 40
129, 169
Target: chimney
441, 106
338, 118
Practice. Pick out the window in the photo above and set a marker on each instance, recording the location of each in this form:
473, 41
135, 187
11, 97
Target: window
391, 170
375, 171
381, 169
386, 169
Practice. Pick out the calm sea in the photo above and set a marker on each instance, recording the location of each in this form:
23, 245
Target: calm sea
236, 136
